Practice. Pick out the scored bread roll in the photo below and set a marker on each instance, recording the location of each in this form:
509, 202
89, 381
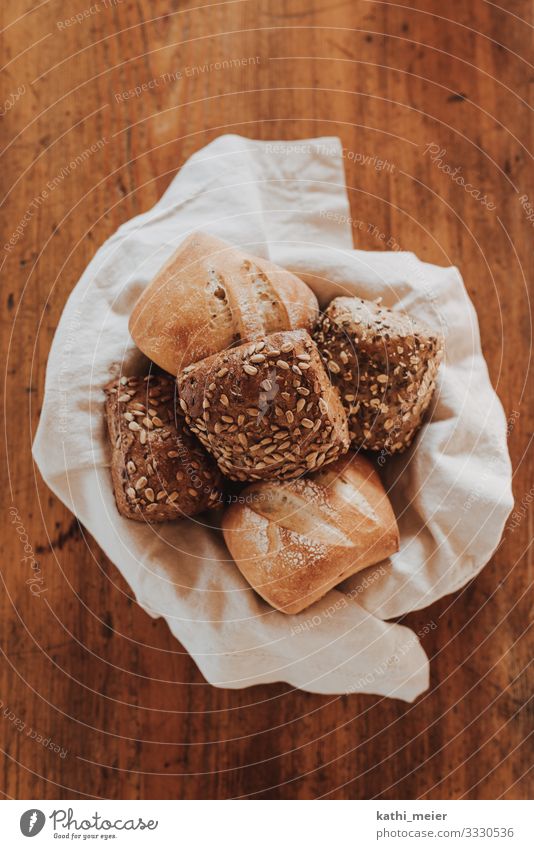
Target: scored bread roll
384, 364
210, 295
295, 540
265, 409
159, 471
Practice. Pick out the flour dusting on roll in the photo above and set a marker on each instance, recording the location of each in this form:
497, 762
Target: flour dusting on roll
210, 295
295, 540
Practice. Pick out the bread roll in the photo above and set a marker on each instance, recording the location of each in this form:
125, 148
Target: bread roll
266, 409
159, 471
295, 540
211, 295
384, 364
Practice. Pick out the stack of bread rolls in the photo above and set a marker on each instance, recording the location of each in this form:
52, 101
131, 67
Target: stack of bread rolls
251, 386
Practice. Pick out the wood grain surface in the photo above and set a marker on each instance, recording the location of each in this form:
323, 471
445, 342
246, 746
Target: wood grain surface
81, 664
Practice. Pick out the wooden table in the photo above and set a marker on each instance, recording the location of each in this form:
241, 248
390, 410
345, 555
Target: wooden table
83, 666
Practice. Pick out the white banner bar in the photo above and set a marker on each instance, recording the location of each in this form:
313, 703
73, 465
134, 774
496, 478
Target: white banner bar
264, 824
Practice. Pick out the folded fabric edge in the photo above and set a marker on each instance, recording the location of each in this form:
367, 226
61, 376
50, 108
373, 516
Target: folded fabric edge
406, 690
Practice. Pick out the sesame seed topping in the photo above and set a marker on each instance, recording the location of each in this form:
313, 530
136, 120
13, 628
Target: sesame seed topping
282, 364
250, 369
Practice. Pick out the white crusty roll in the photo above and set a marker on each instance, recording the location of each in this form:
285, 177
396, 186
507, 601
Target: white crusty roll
266, 409
295, 540
211, 295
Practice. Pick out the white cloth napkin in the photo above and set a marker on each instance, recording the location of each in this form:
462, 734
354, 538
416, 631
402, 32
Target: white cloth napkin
451, 491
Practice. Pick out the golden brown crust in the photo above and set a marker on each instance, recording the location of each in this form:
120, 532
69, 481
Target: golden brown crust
384, 364
159, 471
210, 295
295, 540
265, 410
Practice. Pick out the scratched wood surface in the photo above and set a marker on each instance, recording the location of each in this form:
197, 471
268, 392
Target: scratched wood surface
120, 709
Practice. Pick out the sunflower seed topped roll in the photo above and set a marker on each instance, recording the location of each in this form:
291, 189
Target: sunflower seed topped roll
265, 409
384, 364
159, 470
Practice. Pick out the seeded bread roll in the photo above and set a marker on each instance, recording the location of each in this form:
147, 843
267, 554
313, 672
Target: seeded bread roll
265, 410
384, 364
211, 295
295, 540
159, 471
